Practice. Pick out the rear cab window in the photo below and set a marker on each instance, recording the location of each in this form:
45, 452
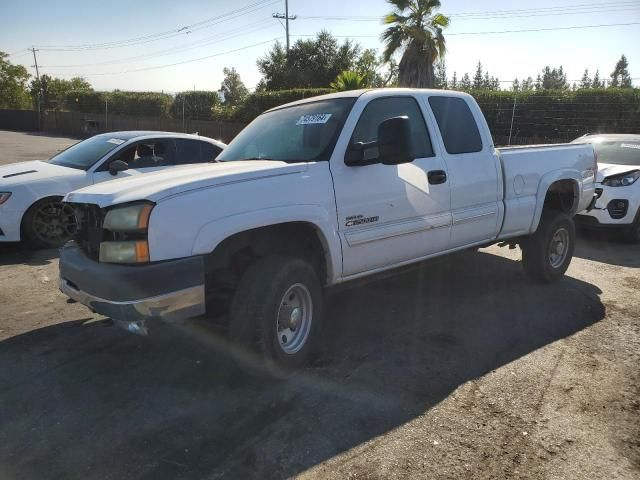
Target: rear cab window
457, 125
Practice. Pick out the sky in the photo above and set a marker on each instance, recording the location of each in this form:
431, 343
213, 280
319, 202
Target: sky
106, 42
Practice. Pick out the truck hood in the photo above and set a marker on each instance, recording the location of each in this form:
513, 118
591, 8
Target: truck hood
174, 181
30, 172
608, 169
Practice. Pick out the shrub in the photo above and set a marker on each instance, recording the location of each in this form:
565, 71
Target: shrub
126, 103
258, 102
197, 104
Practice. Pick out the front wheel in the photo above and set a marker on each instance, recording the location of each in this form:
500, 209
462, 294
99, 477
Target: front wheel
49, 223
277, 311
547, 253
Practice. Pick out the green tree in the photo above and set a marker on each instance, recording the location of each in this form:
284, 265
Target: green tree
527, 85
13, 85
417, 28
232, 89
453, 85
553, 79
376, 72
477, 78
585, 82
620, 76
54, 90
348, 80
441, 75
310, 63
465, 82
515, 85
597, 83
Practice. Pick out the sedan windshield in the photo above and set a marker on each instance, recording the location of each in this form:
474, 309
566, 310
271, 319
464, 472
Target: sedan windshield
301, 133
625, 152
84, 154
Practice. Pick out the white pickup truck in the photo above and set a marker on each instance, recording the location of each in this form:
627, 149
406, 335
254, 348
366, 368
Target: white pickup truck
312, 194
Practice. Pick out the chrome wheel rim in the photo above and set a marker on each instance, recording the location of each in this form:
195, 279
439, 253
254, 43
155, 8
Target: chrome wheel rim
294, 318
559, 247
54, 223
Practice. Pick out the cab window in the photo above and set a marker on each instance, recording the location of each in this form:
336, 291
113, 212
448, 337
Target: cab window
381, 109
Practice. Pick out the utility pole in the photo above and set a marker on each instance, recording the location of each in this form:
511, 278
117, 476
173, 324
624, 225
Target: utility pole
286, 18
35, 59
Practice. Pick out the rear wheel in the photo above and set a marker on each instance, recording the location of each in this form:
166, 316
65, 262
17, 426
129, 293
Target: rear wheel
547, 253
49, 223
277, 311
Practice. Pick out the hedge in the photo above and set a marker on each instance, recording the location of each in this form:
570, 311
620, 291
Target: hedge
127, 103
258, 102
560, 115
197, 104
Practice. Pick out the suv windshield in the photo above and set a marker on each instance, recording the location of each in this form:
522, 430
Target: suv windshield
84, 154
625, 152
301, 133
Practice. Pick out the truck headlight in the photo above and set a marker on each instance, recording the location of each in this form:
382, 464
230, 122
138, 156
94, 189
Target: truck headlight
130, 251
622, 180
130, 218
127, 228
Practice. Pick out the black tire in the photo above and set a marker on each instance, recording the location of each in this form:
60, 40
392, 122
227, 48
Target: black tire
254, 314
632, 235
34, 234
539, 261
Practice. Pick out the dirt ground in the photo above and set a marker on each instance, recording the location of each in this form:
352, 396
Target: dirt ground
460, 368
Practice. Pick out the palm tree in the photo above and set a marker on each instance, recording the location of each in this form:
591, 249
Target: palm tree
416, 27
348, 80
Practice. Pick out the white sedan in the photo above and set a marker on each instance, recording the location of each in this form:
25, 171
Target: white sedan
31, 193
617, 187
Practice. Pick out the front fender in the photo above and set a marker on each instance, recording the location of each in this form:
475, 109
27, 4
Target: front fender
213, 233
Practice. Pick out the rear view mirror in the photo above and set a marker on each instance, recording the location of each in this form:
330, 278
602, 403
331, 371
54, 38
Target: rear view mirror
118, 166
394, 141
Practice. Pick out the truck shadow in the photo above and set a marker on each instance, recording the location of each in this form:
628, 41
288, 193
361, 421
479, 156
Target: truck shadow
14, 253
606, 247
170, 405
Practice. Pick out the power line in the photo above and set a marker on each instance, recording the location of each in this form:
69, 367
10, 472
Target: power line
286, 17
220, 37
207, 23
155, 67
561, 10
499, 31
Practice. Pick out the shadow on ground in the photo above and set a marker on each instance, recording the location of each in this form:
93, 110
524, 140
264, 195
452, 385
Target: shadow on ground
607, 247
14, 253
86, 400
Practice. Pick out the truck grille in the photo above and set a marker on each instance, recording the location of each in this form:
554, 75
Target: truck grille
89, 233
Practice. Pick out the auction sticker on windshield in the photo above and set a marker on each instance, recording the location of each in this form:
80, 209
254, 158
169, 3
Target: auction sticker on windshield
316, 118
117, 141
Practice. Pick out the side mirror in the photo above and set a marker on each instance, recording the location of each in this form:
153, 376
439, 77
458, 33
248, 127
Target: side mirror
118, 166
394, 141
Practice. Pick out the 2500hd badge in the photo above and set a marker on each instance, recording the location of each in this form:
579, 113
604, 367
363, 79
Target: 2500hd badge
354, 220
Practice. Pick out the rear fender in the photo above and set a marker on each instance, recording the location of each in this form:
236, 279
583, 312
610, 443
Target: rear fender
545, 183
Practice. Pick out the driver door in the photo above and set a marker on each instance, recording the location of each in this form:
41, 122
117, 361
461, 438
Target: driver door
390, 214
144, 156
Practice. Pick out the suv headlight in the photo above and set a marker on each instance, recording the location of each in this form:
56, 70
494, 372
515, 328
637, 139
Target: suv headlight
622, 180
128, 226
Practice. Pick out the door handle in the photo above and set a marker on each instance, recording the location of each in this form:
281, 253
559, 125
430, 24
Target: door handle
436, 177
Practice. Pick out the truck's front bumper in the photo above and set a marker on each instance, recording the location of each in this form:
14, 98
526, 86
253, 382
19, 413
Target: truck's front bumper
169, 291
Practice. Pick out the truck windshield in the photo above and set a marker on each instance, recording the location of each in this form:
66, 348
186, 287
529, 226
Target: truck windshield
626, 152
301, 133
84, 154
